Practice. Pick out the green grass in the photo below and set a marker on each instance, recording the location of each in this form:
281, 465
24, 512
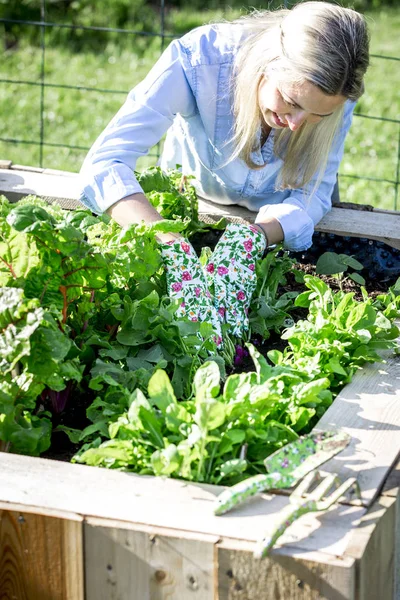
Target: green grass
76, 117
372, 147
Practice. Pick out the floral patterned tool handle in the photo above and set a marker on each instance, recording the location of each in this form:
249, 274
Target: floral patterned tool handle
231, 274
186, 282
287, 466
237, 494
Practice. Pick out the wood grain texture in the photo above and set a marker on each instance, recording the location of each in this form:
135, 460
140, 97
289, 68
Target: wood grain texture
373, 546
368, 409
41, 558
132, 565
392, 484
242, 577
19, 181
391, 489
16, 184
373, 225
185, 507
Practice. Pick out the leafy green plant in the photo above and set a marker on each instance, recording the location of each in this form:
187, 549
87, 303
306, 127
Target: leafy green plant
223, 432
174, 197
339, 266
99, 295
84, 315
339, 335
218, 434
270, 310
34, 356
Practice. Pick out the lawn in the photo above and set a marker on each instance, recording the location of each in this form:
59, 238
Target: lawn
75, 117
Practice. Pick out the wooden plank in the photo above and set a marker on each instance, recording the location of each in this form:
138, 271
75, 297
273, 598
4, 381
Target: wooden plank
373, 545
206, 207
369, 410
156, 567
185, 507
356, 223
27, 169
5, 164
279, 554
364, 224
39, 510
63, 186
392, 483
41, 557
154, 530
122, 564
392, 489
73, 559
59, 172
16, 184
241, 576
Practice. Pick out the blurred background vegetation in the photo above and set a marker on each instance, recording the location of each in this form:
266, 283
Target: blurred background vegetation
107, 64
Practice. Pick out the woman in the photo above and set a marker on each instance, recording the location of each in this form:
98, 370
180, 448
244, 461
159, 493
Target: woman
257, 110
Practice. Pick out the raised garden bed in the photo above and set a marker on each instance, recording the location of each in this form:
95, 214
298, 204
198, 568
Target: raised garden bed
79, 532
70, 531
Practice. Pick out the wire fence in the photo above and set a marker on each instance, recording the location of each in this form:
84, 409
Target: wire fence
164, 37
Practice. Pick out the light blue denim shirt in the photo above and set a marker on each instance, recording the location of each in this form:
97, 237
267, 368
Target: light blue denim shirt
188, 93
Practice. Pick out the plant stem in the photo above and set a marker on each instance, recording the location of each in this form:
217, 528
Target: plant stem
63, 291
210, 462
4, 446
10, 267
202, 452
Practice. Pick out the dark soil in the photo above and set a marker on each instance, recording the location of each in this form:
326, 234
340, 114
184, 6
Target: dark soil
205, 239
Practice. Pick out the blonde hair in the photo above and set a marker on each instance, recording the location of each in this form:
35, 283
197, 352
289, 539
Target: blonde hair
317, 42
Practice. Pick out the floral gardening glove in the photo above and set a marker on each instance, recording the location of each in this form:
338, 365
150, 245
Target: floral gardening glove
231, 274
186, 281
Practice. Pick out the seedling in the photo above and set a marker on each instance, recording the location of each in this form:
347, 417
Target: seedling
338, 265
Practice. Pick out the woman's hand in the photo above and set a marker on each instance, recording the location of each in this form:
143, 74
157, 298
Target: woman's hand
231, 274
271, 228
187, 282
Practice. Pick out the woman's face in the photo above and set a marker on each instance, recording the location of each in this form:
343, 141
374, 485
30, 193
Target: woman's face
284, 104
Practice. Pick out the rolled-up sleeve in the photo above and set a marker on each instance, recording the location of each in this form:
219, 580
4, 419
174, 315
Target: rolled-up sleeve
303, 209
107, 174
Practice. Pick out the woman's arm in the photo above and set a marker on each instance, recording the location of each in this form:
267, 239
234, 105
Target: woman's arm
135, 209
300, 212
107, 173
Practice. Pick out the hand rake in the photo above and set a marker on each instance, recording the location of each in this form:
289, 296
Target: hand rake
302, 501
286, 467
